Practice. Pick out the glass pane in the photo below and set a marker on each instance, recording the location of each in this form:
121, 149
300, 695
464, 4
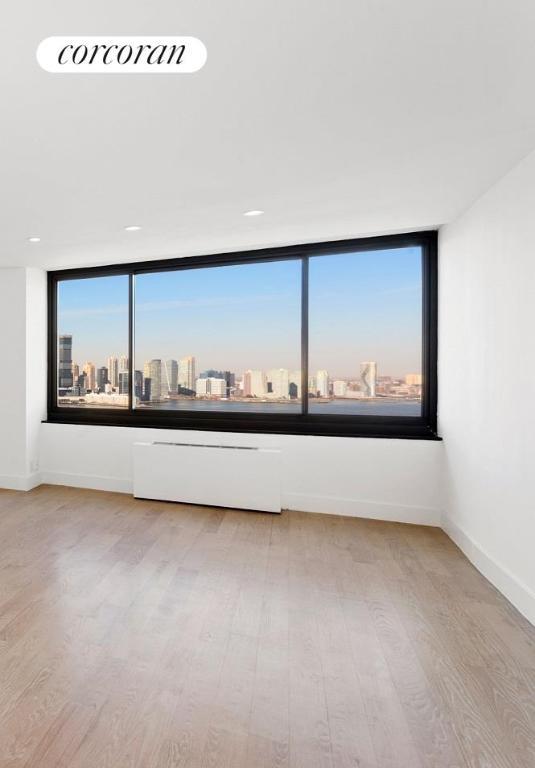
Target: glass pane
365, 333
93, 342
219, 339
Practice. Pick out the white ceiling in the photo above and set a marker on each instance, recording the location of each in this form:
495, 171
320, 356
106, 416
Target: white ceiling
337, 117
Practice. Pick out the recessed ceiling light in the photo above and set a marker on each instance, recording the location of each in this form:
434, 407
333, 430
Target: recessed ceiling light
34, 239
253, 213
132, 228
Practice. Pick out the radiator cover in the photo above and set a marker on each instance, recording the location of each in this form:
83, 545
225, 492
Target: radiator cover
240, 477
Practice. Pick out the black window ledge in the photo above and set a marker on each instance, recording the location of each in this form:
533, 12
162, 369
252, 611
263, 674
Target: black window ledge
408, 428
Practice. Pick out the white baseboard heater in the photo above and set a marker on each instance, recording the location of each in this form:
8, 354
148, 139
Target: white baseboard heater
241, 477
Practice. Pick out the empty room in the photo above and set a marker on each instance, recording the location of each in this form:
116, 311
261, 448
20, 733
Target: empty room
267, 310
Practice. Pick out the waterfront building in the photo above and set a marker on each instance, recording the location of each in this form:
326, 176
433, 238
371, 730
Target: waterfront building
102, 378
113, 371
153, 370
322, 383
171, 376
279, 379
368, 378
89, 370
254, 383
65, 379
186, 373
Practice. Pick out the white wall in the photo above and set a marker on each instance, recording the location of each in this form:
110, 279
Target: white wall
23, 379
386, 479
36, 366
13, 467
487, 383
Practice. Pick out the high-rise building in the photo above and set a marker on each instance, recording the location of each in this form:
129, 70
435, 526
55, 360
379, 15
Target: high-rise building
280, 383
211, 386
146, 397
113, 371
65, 380
230, 381
322, 383
201, 387
102, 378
75, 372
123, 363
339, 388
91, 376
254, 384
138, 384
171, 376
123, 382
186, 373
218, 387
295, 384
153, 371
368, 378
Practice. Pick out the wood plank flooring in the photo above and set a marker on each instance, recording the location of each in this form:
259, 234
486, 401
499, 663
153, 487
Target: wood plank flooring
149, 635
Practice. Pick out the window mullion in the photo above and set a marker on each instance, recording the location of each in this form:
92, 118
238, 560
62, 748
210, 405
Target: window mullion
131, 342
304, 336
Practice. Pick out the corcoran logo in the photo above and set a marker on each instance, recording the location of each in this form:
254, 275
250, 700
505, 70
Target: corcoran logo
128, 55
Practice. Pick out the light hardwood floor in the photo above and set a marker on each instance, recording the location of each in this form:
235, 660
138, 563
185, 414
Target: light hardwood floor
144, 634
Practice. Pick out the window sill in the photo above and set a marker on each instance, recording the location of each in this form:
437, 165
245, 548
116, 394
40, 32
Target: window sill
365, 428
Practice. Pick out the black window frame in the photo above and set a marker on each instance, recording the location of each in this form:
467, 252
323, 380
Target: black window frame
304, 423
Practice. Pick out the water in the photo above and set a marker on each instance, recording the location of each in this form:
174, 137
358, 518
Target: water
379, 407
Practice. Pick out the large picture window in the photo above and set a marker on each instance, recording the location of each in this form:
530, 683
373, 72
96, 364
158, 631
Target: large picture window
332, 338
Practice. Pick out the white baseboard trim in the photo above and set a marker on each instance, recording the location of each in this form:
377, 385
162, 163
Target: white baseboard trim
374, 510
92, 482
20, 482
518, 593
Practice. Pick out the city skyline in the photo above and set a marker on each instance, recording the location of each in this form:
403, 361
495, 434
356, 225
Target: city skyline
163, 379
249, 316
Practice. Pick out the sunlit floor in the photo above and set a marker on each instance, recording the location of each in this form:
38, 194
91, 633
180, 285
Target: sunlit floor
144, 634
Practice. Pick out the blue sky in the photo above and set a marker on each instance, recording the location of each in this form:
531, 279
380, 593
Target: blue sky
363, 306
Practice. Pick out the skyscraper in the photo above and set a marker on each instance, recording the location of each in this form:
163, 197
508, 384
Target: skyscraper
65, 380
211, 386
146, 390
123, 363
153, 371
138, 384
91, 377
102, 378
171, 376
295, 379
123, 382
368, 378
113, 371
280, 383
322, 383
230, 382
254, 384
186, 373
